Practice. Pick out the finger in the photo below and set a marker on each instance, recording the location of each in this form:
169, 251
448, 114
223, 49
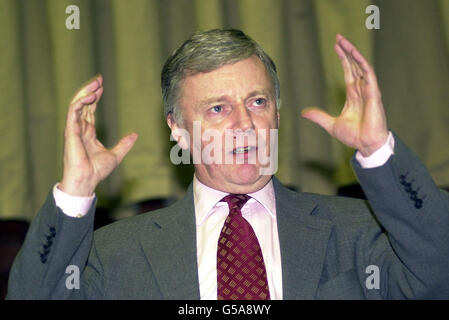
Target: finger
347, 69
368, 72
345, 44
81, 108
352, 70
76, 109
347, 47
98, 94
99, 79
91, 108
364, 69
124, 145
319, 117
357, 72
75, 125
91, 86
87, 119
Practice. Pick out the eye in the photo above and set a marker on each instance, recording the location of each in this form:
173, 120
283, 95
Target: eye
260, 102
217, 109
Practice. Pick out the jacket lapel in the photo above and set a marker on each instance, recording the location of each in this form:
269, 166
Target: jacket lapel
303, 241
169, 244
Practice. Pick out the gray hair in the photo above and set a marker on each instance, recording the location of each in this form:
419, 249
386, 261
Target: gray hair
207, 51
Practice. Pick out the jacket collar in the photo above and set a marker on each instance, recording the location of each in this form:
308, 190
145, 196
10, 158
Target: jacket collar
205, 198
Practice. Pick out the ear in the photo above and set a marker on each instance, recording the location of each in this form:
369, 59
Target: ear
180, 135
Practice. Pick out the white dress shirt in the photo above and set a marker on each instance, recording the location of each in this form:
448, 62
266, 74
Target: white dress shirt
210, 214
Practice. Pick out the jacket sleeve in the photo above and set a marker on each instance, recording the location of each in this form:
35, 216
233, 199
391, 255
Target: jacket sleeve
415, 215
52, 261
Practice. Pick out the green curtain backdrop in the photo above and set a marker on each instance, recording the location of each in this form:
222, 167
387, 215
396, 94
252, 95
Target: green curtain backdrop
42, 64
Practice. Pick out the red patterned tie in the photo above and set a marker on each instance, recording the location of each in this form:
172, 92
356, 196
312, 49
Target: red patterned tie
241, 273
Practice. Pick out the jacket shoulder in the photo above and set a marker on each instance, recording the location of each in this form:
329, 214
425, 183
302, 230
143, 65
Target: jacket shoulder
341, 211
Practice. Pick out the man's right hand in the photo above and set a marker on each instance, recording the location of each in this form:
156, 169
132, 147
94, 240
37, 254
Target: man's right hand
86, 160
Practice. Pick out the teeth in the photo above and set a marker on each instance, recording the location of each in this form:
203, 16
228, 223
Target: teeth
242, 150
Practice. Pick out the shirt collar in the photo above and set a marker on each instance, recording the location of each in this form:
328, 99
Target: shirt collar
206, 198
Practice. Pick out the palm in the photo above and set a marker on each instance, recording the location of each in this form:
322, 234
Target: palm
94, 157
362, 123
97, 160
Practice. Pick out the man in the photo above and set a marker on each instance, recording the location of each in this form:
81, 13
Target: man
238, 233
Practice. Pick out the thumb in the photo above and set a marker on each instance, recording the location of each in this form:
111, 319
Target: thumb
323, 119
124, 145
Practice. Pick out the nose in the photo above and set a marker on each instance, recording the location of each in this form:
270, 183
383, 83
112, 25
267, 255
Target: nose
242, 118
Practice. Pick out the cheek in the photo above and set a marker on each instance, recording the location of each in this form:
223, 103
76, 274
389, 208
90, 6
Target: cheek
268, 122
267, 134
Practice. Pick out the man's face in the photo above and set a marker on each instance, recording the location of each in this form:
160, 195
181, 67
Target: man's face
231, 100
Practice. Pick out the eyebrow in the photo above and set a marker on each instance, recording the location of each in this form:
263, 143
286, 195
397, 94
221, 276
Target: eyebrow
208, 101
264, 92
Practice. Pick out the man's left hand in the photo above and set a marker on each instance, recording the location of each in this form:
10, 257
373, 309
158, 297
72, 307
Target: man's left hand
362, 123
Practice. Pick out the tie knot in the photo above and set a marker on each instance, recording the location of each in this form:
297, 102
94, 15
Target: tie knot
236, 201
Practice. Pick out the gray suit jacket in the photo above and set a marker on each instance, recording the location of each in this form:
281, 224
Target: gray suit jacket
327, 243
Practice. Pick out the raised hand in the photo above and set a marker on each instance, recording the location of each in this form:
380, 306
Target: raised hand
86, 160
362, 123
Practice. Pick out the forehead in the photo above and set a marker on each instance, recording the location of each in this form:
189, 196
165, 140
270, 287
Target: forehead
233, 80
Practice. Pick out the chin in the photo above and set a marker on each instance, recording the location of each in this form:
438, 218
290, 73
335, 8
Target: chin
246, 174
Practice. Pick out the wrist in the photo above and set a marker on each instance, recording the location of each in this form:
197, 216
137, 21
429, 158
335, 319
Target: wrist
378, 158
74, 188
371, 148
72, 206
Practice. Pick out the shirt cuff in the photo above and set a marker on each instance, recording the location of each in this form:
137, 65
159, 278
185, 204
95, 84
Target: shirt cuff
379, 157
72, 206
